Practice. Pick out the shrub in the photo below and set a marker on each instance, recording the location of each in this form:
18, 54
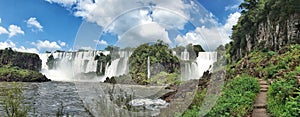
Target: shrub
284, 98
14, 104
237, 97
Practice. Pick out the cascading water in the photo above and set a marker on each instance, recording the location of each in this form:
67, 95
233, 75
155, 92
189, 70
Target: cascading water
118, 66
194, 69
69, 64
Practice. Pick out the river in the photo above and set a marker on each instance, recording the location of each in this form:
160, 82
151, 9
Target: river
85, 99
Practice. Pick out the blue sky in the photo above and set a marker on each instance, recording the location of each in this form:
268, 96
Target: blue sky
40, 25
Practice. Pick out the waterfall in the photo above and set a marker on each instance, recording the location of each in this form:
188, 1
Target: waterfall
194, 69
185, 55
148, 67
119, 66
69, 64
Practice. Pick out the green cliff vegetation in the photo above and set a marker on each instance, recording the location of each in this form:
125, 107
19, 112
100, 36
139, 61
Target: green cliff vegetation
20, 67
161, 59
265, 24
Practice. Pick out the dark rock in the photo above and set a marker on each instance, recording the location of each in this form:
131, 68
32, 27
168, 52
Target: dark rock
22, 60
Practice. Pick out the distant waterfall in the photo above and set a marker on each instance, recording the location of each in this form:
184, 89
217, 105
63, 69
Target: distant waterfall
194, 69
119, 66
185, 55
69, 64
148, 68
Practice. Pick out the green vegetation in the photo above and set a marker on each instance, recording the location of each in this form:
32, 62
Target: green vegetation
14, 104
164, 78
284, 98
284, 93
161, 59
9, 73
283, 68
268, 65
255, 14
237, 97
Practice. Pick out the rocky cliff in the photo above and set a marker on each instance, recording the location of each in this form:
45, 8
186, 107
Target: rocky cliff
22, 60
265, 25
20, 67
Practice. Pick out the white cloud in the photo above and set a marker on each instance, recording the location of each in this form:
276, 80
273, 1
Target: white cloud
231, 20
87, 48
65, 3
3, 30
12, 45
32, 22
61, 43
7, 44
29, 50
211, 37
150, 32
0, 20
14, 30
46, 45
104, 12
101, 42
208, 38
232, 7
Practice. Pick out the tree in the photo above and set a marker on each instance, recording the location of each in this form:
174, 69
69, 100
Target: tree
161, 59
197, 49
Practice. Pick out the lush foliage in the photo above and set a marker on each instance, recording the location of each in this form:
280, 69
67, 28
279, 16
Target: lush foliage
14, 104
9, 73
237, 97
268, 65
283, 68
161, 59
284, 95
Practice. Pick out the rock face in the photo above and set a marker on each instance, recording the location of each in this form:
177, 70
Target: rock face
271, 36
265, 26
20, 67
274, 36
22, 60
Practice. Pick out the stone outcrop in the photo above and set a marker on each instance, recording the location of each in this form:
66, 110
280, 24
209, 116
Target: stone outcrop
28, 61
273, 36
20, 67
